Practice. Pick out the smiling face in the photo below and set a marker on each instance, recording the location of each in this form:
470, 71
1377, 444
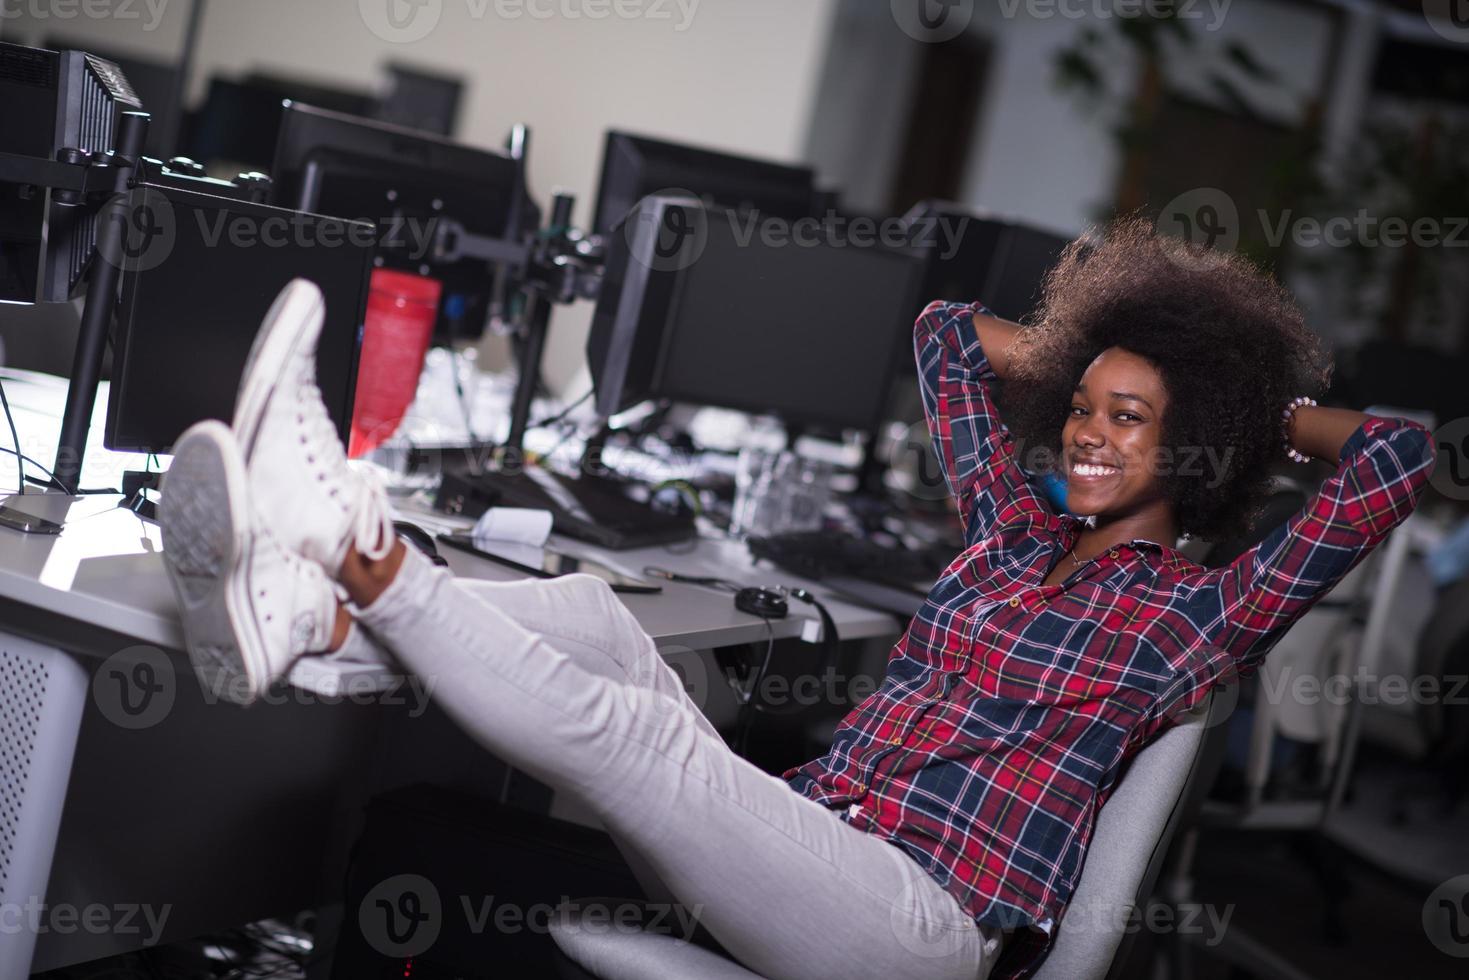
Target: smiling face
1110, 443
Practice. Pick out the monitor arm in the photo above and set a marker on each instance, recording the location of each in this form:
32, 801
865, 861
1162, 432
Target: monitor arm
87, 180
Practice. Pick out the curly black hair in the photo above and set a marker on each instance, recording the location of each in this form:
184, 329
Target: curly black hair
1230, 343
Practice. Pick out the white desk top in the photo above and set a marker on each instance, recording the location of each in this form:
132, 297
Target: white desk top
105, 570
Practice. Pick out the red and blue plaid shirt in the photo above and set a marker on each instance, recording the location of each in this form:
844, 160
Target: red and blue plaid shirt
1009, 707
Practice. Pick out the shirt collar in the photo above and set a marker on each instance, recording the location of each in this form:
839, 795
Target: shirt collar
1168, 554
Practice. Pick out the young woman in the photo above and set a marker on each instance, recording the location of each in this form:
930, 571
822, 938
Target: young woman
945, 830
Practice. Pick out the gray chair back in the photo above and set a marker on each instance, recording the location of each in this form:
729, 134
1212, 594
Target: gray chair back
1161, 791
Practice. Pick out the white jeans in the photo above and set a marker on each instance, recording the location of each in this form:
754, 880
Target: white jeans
557, 678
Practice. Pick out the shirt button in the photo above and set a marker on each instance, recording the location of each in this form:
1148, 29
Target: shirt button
859, 790
1014, 601
1112, 553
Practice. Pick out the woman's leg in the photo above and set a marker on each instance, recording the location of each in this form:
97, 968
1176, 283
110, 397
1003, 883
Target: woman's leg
783, 884
583, 619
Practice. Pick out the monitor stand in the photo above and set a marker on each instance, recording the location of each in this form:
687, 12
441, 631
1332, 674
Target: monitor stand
134, 485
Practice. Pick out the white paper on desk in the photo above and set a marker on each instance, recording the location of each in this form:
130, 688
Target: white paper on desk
516, 533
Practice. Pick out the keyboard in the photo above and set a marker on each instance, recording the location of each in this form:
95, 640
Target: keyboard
587, 509
890, 578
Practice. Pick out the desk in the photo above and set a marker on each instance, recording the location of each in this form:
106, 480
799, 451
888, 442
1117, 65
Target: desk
162, 825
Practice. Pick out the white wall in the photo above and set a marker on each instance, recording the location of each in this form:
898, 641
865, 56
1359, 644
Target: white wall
736, 74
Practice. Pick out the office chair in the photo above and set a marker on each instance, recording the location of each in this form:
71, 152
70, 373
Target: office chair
1158, 792
1342, 634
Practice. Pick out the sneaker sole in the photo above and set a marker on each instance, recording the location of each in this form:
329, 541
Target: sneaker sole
299, 304
207, 548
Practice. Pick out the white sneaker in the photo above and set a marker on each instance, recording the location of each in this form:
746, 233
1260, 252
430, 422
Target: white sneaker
249, 606
299, 479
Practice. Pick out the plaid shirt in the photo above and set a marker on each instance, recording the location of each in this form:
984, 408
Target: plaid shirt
1009, 707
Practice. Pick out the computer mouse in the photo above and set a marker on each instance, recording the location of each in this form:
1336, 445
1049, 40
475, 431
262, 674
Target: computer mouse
420, 539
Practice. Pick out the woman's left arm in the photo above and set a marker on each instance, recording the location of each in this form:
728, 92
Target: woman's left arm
1383, 469
1322, 432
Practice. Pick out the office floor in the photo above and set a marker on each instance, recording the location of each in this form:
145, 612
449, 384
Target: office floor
1276, 898
1401, 842
1279, 903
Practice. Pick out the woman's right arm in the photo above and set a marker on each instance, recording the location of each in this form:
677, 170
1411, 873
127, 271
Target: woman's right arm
995, 337
962, 350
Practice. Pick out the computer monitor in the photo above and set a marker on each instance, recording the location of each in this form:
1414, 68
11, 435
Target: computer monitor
802, 332
51, 101
404, 181
634, 167
974, 255
422, 99
193, 300
235, 126
156, 85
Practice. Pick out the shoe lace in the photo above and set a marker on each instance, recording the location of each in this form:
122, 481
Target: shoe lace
373, 525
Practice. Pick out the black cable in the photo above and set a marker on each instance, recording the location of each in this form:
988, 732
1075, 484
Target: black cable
746, 719
29, 478
20, 466
563, 413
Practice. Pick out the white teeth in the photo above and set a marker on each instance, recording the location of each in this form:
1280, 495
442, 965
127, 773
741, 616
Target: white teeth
1090, 469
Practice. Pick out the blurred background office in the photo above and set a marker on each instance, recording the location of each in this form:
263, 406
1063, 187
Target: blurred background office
1326, 139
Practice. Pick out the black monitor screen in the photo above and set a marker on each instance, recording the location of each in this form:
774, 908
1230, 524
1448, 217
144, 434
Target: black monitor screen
805, 332
406, 181
193, 300
634, 167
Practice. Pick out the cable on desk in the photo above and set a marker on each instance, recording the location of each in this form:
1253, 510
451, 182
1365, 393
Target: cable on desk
552, 420
20, 467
